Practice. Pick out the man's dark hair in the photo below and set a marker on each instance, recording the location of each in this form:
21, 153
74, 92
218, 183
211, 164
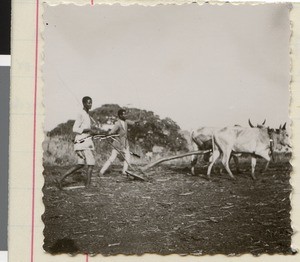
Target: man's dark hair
85, 99
121, 111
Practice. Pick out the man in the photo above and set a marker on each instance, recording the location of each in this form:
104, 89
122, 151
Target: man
83, 144
120, 144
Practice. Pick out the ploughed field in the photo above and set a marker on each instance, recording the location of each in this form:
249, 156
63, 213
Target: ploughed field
172, 213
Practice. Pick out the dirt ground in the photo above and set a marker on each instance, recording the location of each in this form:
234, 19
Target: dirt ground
172, 213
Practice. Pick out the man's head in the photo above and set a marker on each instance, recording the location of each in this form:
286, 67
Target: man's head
87, 103
122, 114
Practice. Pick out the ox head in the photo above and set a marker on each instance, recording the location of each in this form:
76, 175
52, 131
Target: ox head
258, 125
281, 137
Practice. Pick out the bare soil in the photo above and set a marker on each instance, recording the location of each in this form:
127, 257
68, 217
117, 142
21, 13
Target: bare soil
172, 213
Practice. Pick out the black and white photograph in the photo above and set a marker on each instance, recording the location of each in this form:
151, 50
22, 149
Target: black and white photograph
167, 129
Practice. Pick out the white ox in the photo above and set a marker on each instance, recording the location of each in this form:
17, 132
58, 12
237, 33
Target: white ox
258, 142
201, 139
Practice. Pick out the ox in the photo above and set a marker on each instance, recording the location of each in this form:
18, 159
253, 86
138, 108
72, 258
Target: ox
258, 142
202, 140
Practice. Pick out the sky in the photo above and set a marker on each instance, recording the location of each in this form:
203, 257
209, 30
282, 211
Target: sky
204, 65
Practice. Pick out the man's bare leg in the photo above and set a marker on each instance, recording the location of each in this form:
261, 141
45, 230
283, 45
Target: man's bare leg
109, 161
89, 175
68, 173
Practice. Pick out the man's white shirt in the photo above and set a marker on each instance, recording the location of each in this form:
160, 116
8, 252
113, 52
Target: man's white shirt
82, 122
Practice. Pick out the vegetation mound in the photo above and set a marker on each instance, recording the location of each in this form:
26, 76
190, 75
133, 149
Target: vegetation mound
150, 135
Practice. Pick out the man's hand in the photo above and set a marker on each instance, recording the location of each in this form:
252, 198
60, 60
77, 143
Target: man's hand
86, 130
96, 131
91, 131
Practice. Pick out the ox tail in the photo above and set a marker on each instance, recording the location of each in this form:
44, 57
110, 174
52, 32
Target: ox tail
193, 138
193, 146
214, 144
213, 141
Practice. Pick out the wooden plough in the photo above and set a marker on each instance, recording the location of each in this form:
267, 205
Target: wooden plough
150, 165
155, 163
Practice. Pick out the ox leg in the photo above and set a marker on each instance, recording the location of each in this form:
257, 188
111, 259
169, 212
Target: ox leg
214, 157
206, 157
236, 163
193, 163
266, 156
253, 164
266, 167
225, 162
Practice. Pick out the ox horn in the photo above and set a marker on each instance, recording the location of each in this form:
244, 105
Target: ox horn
263, 122
280, 127
250, 123
284, 126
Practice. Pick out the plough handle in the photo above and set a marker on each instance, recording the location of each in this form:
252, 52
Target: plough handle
95, 137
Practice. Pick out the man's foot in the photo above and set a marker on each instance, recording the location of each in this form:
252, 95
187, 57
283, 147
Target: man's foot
101, 173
